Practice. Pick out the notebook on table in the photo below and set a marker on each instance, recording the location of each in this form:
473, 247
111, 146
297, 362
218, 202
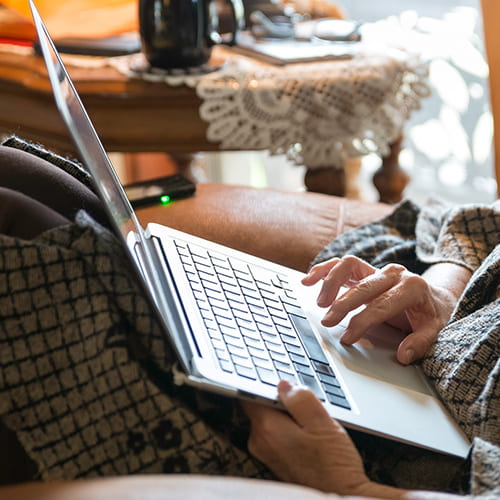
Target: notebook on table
239, 324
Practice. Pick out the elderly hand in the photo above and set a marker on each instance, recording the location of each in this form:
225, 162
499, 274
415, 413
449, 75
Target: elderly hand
305, 446
418, 305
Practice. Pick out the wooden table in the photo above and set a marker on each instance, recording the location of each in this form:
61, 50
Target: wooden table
133, 115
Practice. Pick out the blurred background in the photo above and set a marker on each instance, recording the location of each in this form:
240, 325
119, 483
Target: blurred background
447, 149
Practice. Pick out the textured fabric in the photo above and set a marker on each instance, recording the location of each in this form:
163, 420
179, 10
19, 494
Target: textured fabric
464, 364
86, 373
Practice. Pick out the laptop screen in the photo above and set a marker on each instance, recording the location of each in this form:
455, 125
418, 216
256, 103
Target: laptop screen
85, 137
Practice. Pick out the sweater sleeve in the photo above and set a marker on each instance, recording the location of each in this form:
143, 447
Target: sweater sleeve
463, 235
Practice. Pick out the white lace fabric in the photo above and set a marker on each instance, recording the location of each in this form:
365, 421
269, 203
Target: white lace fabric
318, 114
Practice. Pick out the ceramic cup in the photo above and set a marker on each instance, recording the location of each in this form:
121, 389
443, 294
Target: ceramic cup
181, 33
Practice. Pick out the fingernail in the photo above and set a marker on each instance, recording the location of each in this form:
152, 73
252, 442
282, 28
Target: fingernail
284, 387
347, 337
410, 355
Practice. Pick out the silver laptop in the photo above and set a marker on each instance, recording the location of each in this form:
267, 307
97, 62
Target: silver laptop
239, 324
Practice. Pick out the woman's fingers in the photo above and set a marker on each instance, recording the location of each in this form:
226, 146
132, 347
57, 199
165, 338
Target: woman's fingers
304, 407
348, 271
412, 297
319, 271
366, 291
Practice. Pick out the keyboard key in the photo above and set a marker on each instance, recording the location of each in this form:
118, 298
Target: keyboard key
284, 367
307, 335
304, 369
267, 376
322, 368
239, 265
241, 314
263, 363
242, 361
251, 294
338, 401
289, 298
227, 366
287, 376
299, 359
221, 311
274, 346
229, 330
244, 322
208, 277
223, 355
295, 351
228, 322
235, 347
329, 379
250, 333
255, 301
281, 317
235, 296
218, 343
229, 287
245, 371
258, 309
312, 384
272, 301
257, 343
293, 309
235, 342
271, 337
279, 356
286, 330
330, 389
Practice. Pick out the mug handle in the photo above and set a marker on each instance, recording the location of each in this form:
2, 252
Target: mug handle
238, 11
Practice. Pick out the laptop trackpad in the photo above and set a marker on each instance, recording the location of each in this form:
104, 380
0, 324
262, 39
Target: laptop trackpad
375, 356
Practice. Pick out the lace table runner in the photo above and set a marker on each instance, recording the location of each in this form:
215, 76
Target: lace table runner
318, 114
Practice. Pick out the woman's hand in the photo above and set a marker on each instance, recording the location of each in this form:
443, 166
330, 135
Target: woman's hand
418, 305
305, 446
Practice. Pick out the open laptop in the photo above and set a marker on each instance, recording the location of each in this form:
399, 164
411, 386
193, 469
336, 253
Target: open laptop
239, 324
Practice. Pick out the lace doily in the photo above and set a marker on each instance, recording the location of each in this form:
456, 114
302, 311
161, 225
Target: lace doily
136, 66
317, 114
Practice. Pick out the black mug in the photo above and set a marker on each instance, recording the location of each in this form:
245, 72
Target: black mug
181, 33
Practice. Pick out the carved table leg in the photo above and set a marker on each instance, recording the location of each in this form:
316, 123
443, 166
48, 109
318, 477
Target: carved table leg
390, 179
191, 165
326, 180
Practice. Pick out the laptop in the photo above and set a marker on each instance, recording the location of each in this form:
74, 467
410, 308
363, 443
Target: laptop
239, 324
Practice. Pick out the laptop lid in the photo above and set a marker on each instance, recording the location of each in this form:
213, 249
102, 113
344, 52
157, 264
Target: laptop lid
108, 186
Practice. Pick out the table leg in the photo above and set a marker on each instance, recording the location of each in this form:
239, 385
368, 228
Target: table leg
191, 165
326, 180
390, 179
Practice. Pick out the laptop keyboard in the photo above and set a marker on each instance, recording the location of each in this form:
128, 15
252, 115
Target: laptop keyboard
252, 317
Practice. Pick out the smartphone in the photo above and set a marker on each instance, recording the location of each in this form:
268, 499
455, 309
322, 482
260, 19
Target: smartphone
160, 191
